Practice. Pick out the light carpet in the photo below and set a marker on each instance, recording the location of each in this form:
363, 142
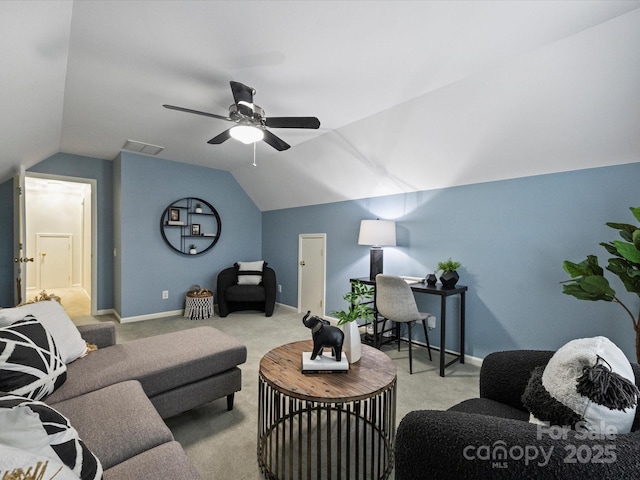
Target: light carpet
222, 444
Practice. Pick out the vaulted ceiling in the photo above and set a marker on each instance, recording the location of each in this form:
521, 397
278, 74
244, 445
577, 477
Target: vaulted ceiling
411, 95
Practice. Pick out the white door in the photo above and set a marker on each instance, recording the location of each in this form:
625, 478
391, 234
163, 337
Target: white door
54, 260
311, 273
19, 238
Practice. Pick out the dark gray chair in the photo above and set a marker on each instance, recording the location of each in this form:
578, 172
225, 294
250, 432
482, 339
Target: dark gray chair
233, 297
395, 302
482, 438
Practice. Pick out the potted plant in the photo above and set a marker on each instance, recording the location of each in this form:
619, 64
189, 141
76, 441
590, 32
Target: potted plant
358, 299
198, 208
193, 250
449, 276
587, 277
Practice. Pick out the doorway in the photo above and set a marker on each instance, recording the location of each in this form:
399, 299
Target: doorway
60, 234
311, 273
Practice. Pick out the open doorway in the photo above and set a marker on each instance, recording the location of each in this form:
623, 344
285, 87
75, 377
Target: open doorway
60, 237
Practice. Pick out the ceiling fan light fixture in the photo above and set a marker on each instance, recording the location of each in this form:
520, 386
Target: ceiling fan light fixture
246, 134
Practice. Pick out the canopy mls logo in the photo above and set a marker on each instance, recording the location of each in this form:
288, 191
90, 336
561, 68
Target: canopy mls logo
500, 454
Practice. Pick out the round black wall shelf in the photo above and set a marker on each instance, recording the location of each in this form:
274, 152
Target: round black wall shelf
188, 222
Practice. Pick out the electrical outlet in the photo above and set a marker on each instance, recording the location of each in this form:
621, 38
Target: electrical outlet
165, 294
279, 288
431, 321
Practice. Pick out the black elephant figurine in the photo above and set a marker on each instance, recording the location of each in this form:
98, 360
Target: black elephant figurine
324, 336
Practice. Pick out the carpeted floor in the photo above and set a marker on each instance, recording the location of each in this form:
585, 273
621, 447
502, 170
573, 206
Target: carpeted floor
222, 444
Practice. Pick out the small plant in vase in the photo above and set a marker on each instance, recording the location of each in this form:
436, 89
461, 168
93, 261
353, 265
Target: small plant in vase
193, 250
449, 276
357, 299
198, 208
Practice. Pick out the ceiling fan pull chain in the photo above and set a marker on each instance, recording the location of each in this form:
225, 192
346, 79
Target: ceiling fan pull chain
254, 154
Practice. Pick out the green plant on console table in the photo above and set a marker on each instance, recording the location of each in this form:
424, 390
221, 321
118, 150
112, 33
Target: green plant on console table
587, 277
358, 296
448, 266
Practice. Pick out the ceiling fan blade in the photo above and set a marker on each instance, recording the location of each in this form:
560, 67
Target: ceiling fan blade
218, 139
292, 122
243, 97
197, 112
275, 142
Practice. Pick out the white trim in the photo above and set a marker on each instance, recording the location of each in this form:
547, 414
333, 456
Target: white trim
287, 307
150, 316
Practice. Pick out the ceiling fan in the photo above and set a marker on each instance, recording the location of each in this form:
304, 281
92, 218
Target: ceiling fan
250, 121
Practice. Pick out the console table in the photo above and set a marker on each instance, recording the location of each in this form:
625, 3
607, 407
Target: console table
326, 425
443, 293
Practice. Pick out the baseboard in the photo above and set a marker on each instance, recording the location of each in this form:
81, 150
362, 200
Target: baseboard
287, 307
149, 316
107, 311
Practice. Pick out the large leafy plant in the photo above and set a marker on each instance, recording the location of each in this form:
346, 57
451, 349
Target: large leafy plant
587, 277
359, 304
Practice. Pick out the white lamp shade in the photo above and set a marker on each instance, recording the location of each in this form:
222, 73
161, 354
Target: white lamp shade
377, 232
246, 133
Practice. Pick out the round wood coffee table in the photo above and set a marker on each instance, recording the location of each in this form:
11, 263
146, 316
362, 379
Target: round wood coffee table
326, 425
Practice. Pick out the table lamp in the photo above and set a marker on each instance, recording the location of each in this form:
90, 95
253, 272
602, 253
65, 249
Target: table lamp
377, 233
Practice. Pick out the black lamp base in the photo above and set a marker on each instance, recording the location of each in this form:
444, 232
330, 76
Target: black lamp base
375, 263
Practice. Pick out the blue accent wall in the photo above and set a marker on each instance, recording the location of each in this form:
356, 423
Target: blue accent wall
511, 237
145, 264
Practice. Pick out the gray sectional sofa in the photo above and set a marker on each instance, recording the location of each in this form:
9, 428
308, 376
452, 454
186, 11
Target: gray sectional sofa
99, 413
117, 396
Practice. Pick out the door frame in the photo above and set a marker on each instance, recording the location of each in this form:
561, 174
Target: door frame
94, 227
301, 238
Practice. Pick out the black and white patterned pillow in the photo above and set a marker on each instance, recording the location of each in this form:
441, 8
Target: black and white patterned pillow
30, 364
34, 426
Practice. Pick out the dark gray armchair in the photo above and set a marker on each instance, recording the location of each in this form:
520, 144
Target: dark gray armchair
490, 437
233, 297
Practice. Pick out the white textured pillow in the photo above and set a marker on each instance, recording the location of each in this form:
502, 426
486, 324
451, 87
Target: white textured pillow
16, 463
50, 314
588, 383
38, 428
250, 273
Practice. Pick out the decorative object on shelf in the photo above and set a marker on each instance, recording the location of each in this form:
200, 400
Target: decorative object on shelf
587, 277
431, 279
324, 335
190, 220
357, 298
377, 233
449, 276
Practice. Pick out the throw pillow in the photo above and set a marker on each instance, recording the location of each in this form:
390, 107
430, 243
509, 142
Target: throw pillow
36, 427
250, 273
30, 364
55, 319
24, 465
588, 381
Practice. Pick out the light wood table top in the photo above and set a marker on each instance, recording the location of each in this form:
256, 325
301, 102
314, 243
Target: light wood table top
372, 374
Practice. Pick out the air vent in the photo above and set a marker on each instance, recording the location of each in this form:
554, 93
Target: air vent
141, 147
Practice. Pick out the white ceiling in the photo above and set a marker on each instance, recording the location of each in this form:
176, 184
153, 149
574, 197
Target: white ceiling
411, 95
